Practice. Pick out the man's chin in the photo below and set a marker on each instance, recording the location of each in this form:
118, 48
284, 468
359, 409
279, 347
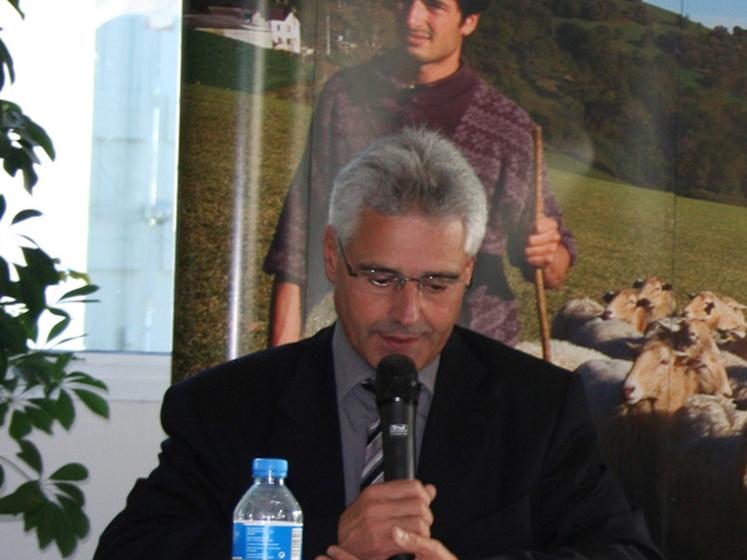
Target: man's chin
415, 53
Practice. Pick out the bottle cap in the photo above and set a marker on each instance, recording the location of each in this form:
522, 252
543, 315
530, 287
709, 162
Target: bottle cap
277, 468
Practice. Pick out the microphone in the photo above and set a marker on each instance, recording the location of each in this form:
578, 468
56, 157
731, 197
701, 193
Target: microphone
397, 391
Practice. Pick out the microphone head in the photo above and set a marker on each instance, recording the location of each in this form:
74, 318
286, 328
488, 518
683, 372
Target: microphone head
397, 379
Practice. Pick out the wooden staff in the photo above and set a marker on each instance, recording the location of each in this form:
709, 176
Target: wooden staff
539, 212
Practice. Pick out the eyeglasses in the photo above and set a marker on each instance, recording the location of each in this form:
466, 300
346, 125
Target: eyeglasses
381, 281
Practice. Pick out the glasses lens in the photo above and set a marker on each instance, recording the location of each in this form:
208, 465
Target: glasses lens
378, 281
437, 286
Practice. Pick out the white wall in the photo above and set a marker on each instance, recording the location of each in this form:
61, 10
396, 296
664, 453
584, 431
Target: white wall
116, 451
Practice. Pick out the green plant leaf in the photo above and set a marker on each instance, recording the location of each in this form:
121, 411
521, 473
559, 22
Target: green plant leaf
59, 327
82, 291
68, 339
3, 411
41, 265
5, 282
30, 455
79, 276
25, 215
37, 370
45, 528
31, 520
85, 379
65, 409
2, 198
72, 491
71, 471
65, 533
13, 334
16, 5
39, 137
6, 65
40, 418
20, 425
3, 369
26, 498
32, 293
2, 476
63, 359
30, 178
77, 517
94, 402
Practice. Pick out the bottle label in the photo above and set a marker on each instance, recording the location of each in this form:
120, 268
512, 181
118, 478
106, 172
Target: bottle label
267, 540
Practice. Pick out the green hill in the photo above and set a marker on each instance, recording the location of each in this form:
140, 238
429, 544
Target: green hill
638, 91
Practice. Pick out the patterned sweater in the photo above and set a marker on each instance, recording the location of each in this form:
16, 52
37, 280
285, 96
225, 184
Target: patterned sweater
363, 103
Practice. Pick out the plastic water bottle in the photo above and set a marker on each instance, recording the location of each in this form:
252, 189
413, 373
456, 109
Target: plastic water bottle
268, 522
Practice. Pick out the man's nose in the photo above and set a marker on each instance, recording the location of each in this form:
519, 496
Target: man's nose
406, 303
416, 10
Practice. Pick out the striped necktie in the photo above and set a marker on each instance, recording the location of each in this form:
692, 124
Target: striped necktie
373, 461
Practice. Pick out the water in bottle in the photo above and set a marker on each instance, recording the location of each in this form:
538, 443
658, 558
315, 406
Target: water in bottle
267, 522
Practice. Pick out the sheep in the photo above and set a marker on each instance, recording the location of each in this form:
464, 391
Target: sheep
666, 377
686, 470
581, 322
721, 314
656, 298
564, 354
603, 380
572, 315
625, 305
683, 460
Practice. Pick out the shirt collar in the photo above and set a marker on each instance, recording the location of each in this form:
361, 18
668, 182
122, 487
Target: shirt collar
351, 370
431, 93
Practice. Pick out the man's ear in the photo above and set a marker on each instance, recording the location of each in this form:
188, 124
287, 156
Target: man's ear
331, 255
469, 24
470, 270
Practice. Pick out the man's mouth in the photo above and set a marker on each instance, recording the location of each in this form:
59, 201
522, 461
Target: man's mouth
399, 342
417, 37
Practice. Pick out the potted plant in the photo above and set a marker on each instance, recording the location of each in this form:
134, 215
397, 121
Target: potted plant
39, 387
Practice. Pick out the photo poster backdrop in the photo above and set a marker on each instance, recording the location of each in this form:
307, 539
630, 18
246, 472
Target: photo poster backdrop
644, 114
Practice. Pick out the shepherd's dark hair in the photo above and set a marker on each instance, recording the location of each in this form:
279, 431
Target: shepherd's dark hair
470, 7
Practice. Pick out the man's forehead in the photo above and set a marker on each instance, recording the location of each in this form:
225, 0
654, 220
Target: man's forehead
409, 241
430, 3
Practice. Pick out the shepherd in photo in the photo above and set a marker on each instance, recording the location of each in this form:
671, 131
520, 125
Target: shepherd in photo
426, 83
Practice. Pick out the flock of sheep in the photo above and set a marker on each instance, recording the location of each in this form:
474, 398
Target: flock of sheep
667, 389
672, 356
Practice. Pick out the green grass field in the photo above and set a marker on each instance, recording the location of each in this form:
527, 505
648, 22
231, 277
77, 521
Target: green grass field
623, 232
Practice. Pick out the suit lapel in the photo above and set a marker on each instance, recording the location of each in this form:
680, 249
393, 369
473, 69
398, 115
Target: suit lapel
457, 417
306, 431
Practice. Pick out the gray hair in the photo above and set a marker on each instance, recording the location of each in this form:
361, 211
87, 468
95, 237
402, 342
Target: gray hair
414, 171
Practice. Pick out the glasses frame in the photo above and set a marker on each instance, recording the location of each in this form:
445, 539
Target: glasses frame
400, 280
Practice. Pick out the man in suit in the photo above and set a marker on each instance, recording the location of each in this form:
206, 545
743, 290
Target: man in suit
508, 464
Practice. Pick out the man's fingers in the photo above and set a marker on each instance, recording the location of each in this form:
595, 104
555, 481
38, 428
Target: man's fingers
334, 552
365, 527
423, 548
398, 489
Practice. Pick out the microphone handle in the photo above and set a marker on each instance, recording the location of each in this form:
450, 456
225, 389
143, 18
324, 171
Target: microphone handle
398, 439
398, 433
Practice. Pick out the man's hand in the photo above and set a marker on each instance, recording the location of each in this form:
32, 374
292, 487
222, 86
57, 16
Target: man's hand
544, 250
285, 321
366, 527
424, 548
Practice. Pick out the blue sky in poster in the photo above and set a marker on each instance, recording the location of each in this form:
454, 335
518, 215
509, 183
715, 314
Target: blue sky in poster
709, 12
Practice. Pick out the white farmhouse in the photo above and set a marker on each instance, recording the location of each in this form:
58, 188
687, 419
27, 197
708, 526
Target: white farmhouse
279, 29
286, 30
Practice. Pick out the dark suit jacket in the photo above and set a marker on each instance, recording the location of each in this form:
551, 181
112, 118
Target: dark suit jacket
508, 444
